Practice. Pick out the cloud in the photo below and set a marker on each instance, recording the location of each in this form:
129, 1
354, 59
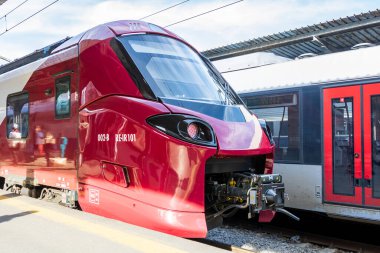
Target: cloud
238, 22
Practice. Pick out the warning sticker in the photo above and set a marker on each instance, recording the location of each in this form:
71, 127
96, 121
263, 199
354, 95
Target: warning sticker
93, 196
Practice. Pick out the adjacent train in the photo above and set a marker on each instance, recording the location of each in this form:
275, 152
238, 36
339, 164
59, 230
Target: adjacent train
324, 113
128, 121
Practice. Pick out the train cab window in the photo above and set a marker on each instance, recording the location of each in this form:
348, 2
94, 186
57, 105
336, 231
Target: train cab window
62, 98
282, 115
375, 119
174, 70
17, 116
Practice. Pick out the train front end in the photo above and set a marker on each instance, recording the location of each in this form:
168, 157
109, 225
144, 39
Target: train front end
187, 152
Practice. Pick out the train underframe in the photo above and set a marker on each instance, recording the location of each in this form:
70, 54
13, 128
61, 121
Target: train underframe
13, 181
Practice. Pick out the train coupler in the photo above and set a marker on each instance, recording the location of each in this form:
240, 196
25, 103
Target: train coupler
259, 193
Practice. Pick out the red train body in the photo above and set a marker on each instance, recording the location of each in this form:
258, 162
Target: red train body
92, 124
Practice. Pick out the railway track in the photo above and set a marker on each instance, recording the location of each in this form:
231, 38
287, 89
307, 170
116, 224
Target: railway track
322, 240
309, 236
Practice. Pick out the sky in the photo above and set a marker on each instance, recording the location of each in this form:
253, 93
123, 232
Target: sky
241, 21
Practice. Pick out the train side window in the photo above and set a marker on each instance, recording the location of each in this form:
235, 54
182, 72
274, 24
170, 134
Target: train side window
62, 98
282, 115
17, 116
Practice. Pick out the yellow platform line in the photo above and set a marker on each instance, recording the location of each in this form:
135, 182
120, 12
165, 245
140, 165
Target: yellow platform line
131, 240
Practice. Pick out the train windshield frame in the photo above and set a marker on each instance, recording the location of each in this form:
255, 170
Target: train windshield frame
174, 70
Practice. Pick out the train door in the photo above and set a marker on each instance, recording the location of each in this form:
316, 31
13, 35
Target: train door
371, 118
342, 145
352, 145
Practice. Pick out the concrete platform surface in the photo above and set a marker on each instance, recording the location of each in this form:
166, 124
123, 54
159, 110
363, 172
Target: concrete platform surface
31, 225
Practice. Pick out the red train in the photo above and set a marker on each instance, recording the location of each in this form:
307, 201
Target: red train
128, 121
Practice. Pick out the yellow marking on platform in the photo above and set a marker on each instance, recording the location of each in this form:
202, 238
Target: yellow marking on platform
132, 240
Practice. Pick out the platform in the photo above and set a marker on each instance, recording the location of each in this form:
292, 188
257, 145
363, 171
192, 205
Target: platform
31, 225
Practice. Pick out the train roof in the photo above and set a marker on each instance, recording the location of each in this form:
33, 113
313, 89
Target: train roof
115, 28
351, 65
32, 57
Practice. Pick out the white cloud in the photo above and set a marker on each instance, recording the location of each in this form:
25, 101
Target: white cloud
242, 21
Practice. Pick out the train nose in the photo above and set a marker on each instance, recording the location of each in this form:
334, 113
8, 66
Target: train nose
241, 137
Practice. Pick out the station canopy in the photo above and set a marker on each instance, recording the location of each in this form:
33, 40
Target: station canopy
328, 37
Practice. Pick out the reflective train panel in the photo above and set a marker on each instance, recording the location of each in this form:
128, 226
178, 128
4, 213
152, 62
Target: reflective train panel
128, 121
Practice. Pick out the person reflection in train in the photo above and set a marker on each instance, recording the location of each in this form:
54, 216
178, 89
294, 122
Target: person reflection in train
49, 147
39, 140
14, 145
63, 143
15, 133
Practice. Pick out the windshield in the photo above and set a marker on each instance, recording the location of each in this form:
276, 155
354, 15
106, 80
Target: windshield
174, 70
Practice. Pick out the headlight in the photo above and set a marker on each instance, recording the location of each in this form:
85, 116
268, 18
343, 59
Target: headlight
184, 127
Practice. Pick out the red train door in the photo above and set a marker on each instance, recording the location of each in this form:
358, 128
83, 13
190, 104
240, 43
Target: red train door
352, 145
371, 118
342, 145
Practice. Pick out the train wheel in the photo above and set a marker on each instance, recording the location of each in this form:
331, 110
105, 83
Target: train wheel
2, 182
34, 192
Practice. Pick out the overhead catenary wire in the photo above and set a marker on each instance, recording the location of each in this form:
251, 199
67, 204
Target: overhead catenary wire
170, 7
5, 59
22, 21
15, 8
204, 13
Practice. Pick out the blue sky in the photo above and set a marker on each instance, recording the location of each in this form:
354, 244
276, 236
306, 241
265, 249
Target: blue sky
241, 21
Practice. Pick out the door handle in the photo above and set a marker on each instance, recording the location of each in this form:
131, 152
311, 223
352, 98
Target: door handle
356, 155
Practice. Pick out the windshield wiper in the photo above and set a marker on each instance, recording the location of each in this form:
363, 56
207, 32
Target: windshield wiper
230, 97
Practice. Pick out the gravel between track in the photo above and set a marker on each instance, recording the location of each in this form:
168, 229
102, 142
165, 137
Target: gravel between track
261, 242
